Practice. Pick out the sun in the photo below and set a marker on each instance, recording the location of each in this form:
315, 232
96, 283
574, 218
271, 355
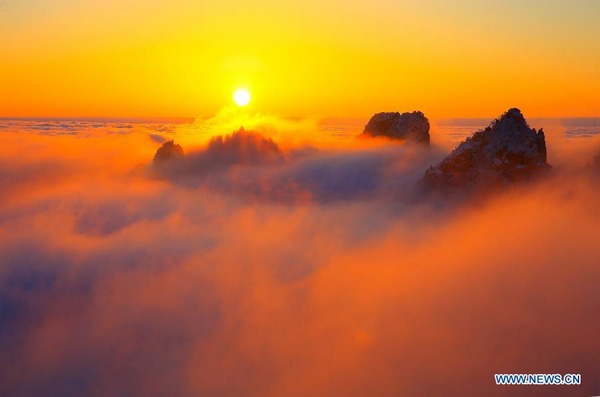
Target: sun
241, 97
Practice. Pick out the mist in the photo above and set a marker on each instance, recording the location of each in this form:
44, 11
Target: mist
280, 261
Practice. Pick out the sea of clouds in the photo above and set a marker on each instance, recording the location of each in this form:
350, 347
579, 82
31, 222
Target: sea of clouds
281, 262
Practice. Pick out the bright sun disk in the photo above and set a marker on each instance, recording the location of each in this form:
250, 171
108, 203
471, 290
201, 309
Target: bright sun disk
241, 97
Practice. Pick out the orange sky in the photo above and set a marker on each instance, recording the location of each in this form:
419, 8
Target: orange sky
77, 58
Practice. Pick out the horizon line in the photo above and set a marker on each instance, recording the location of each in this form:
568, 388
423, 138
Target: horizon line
188, 119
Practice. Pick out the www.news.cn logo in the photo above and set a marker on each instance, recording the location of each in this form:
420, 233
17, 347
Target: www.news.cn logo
537, 379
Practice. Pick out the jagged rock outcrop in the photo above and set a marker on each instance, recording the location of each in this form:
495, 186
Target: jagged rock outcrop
506, 151
406, 126
168, 151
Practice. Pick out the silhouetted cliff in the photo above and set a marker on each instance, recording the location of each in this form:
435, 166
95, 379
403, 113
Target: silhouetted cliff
506, 151
168, 151
406, 126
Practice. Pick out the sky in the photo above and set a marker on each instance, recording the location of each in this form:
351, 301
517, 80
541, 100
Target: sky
181, 58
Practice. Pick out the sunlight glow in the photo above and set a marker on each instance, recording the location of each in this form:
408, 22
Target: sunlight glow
241, 97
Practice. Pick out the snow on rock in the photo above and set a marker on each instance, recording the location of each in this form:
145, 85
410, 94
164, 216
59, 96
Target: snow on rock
506, 151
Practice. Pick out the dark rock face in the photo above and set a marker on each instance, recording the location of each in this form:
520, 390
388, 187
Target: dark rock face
506, 151
406, 126
168, 151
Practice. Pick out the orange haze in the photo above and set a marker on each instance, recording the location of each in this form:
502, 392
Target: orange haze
298, 58
271, 280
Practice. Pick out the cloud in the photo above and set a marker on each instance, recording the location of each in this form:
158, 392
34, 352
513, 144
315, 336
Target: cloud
248, 164
241, 147
307, 274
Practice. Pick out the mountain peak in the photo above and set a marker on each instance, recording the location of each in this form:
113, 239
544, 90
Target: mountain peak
513, 118
505, 151
400, 126
513, 112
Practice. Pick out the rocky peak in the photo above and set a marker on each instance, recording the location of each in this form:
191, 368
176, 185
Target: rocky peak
505, 151
168, 151
402, 126
512, 118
